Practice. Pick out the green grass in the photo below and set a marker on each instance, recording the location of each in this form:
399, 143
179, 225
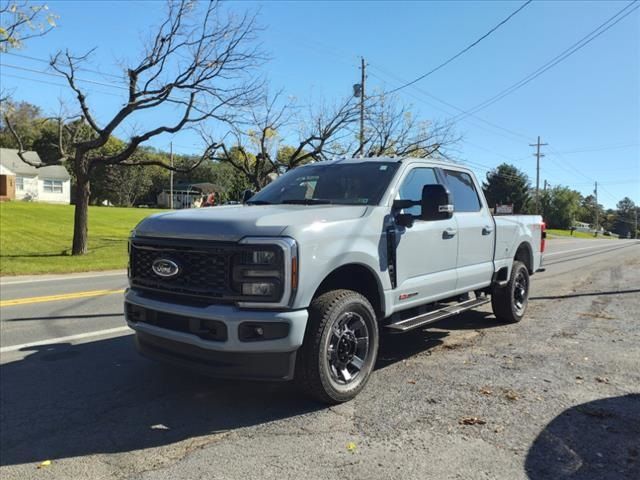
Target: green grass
36, 238
567, 233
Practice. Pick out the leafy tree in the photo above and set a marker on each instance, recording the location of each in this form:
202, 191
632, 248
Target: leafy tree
563, 207
589, 211
506, 185
626, 212
36, 132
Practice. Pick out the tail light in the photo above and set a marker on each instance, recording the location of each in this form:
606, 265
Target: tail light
543, 236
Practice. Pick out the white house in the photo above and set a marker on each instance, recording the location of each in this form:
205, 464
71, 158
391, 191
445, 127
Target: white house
50, 184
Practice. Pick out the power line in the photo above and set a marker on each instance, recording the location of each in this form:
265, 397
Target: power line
450, 105
599, 149
584, 41
48, 62
59, 75
464, 50
45, 82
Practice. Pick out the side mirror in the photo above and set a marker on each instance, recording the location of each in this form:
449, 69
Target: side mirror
246, 195
436, 203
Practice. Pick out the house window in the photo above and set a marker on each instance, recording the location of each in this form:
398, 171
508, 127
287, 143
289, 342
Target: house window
53, 186
19, 184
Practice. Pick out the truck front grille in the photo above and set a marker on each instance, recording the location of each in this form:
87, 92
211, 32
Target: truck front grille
203, 267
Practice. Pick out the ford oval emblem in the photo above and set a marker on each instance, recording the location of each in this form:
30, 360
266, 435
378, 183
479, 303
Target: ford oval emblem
165, 268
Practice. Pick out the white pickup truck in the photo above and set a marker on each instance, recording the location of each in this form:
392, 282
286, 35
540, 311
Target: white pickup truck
300, 281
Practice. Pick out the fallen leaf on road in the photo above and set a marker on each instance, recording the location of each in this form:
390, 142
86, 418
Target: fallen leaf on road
46, 463
412, 382
485, 391
602, 380
351, 447
578, 377
471, 421
159, 426
511, 395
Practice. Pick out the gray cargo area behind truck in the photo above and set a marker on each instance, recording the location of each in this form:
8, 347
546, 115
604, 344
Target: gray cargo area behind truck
300, 281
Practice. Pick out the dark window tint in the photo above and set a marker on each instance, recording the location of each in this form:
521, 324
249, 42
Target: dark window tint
465, 197
411, 188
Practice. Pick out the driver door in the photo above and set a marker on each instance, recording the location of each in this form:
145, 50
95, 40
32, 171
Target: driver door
427, 253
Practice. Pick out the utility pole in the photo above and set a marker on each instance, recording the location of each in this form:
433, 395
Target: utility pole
597, 213
362, 80
538, 155
171, 176
545, 184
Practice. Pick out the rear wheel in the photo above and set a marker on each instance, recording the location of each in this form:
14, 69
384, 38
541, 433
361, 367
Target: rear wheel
510, 302
340, 347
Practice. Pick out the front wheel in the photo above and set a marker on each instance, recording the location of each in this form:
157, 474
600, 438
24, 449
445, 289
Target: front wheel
340, 347
510, 302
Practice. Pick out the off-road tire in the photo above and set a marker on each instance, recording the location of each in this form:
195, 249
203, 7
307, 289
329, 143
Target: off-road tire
313, 367
504, 299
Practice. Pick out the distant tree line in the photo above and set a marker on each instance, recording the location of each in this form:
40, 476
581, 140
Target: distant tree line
560, 206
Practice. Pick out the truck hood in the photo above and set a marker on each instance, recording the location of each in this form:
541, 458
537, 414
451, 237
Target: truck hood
233, 222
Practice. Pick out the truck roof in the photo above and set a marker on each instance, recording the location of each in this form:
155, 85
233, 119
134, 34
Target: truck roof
432, 161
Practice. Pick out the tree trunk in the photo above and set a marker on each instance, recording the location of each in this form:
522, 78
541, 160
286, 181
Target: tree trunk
81, 216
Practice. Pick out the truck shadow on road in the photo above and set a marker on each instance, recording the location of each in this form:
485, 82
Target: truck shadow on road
63, 400
598, 439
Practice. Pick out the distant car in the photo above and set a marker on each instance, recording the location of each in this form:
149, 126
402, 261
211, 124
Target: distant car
606, 233
231, 202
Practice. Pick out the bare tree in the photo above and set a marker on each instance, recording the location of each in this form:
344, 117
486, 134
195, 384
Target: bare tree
198, 62
391, 128
256, 149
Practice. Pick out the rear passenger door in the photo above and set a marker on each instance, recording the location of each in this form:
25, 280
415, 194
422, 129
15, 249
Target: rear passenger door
476, 232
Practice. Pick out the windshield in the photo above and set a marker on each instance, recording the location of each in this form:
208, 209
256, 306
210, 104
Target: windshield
326, 183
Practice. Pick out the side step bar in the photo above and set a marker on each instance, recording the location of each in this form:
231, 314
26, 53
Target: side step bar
434, 316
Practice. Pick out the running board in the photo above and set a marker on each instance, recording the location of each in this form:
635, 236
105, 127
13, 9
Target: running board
426, 318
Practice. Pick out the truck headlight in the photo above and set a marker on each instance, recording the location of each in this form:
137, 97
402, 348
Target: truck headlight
265, 272
259, 272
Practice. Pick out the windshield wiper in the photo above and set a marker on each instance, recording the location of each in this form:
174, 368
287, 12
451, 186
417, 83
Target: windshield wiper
258, 202
306, 201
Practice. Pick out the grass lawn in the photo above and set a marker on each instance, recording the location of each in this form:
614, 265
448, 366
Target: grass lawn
36, 238
567, 233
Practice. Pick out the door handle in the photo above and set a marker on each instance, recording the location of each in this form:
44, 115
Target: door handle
486, 230
449, 233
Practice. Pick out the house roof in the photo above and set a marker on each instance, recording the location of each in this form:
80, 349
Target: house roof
10, 160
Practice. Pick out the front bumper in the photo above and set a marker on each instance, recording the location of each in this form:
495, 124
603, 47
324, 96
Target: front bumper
227, 356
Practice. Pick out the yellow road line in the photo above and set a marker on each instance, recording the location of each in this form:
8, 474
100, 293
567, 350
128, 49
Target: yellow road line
56, 298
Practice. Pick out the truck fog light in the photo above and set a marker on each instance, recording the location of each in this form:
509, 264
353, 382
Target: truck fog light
258, 289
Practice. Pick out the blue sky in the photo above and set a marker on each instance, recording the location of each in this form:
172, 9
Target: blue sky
587, 107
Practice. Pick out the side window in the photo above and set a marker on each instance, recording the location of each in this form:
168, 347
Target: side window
411, 188
465, 197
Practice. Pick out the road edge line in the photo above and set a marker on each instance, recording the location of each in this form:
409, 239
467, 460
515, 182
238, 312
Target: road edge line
79, 336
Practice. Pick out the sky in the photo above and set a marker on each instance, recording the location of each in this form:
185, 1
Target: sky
587, 107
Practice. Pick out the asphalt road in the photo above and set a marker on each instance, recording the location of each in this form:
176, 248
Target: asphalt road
556, 396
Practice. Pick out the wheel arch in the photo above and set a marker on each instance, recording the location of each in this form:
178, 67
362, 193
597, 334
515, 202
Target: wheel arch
357, 277
524, 254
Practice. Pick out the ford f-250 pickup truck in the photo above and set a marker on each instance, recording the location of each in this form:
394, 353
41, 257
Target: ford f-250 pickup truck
300, 281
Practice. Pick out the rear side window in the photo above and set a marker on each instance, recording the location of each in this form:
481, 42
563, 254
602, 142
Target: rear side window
465, 197
411, 188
